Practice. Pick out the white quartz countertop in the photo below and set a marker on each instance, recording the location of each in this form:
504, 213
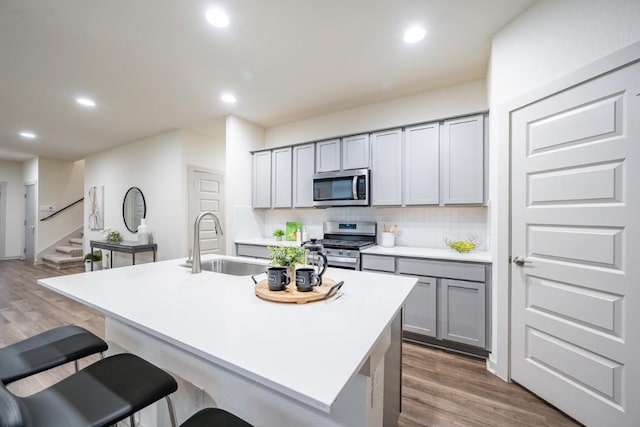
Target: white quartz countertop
266, 242
306, 351
432, 253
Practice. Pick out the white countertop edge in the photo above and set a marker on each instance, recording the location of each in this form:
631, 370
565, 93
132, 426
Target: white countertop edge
263, 241
323, 406
430, 253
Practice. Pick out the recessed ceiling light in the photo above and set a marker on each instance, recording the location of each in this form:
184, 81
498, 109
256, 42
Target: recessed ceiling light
228, 98
217, 18
414, 34
86, 102
27, 134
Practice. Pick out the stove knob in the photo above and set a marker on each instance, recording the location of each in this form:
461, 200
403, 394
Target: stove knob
340, 252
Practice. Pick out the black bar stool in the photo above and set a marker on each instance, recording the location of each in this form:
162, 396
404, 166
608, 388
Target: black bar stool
101, 394
47, 350
212, 417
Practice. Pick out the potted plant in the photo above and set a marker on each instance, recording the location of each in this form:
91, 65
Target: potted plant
278, 233
96, 256
288, 256
114, 237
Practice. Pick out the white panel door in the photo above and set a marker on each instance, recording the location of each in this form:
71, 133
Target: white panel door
206, 193
30, 222
575, 230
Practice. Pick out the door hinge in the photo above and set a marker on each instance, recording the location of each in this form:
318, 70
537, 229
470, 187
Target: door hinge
25, 195
25, 222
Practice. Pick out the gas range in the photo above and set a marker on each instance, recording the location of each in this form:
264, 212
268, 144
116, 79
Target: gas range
343, 240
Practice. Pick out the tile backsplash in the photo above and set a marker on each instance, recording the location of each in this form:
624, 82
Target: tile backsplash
417, 226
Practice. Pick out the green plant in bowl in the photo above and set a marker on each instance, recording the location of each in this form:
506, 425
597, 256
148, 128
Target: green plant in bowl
95, 255
287, 256
114, 237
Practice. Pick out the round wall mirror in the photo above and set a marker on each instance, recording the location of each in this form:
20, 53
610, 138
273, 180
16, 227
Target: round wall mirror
134, 209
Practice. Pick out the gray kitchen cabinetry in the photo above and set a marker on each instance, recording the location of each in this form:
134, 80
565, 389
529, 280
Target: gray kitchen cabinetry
355, 152
281, 177
303, 170
252, 251
420, 308
448, 306
328, 155
421, 165
462, 161
261, 188
386, 168
462, 312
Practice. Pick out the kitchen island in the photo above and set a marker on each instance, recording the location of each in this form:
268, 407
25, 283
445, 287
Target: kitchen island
317, 364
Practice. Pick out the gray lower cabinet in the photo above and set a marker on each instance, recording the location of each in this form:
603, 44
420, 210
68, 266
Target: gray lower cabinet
448, 305
420, 308
462, 312
252, 251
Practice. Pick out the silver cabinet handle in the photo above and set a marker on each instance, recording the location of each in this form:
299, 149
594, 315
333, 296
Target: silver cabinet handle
354, 188
519, 261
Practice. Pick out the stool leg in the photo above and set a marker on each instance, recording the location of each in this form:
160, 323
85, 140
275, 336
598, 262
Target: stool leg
132, 421
172, 412
75, 362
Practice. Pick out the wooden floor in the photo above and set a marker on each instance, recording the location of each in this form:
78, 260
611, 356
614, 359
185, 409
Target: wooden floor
439, 388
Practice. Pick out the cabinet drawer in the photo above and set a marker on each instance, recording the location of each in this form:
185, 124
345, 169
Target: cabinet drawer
378, 263
252, 251
447, 269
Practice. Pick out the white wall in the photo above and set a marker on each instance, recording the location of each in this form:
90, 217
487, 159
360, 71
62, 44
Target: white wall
242, 136
441, 103
60, 182
549, 40
155, 166
11, 218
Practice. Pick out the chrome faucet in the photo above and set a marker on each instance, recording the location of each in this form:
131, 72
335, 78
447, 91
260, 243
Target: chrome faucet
195, 265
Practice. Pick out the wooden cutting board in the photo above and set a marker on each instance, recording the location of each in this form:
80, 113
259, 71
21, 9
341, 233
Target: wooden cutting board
291, 293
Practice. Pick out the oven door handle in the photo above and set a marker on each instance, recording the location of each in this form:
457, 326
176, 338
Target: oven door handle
354, 187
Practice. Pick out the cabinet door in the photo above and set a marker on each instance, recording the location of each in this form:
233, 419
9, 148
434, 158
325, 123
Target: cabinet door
281, 177
355, 152
303, 170
420, 308
422, 165
252, 251
462, 312
328, 155
386, 168
261, 189
462, 157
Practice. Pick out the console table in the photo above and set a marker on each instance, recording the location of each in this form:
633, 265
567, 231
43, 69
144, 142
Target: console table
127, 247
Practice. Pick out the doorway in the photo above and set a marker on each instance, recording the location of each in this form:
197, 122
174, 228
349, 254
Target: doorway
29, 222
206, 193
575, 300
3, 215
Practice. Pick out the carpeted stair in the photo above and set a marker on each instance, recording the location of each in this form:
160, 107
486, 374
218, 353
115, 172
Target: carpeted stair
66, 256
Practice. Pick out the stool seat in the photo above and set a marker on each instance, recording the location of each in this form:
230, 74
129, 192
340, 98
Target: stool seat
47, 350
101, 394
212, 417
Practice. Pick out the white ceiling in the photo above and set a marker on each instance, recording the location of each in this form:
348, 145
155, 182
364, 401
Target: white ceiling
155, 65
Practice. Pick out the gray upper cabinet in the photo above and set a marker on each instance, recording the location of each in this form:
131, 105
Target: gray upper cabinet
421, 165
328, 155
386, 168
355, 152
281, 177
462, 161
462, 312
261, 194
303, 170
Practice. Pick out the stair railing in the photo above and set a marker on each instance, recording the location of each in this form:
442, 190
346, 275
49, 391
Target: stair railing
60, 210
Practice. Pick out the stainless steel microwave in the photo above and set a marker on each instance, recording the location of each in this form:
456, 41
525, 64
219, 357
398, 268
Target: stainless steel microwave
344, 188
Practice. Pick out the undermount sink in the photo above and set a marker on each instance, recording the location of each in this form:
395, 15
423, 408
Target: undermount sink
232, 267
